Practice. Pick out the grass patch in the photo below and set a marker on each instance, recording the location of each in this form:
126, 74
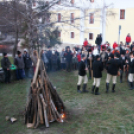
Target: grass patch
87, 113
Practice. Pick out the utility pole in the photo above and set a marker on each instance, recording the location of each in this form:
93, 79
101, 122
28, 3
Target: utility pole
103, 19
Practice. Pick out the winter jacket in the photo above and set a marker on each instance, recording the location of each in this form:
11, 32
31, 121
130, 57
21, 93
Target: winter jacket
128, 39
85, 43
44, 58
79, 57
68, 55
115, 45
5, 63
19, 62
82, 67
104, 56
97, 69
131, 65
63, 59
54, 59
113, 66
98, 41
34, 60
49, 54
27, 61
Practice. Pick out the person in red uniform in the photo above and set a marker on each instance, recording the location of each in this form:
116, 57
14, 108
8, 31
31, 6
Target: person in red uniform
85, 43
128, 39
115, 45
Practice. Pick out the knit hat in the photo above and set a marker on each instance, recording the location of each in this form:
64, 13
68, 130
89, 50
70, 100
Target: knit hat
18, 52
25, 50
4, 54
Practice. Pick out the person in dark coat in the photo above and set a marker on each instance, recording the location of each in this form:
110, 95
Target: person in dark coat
68, 55
104, 56
28, 64
98, 41
123, 63
112, 71
5, 64
131, 70
19, 62
97, 74
49, 54
82, 75
90, 62
58, 60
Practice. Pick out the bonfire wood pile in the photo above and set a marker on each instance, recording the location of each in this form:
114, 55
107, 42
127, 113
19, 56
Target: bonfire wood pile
44, 104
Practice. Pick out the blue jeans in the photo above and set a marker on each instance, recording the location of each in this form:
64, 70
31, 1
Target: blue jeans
20, 73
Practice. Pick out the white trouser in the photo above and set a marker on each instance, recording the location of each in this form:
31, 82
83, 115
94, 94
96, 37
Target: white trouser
80, 78
109, 78
131, 77
97, 82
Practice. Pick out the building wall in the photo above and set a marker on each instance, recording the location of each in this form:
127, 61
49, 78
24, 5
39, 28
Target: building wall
112, 27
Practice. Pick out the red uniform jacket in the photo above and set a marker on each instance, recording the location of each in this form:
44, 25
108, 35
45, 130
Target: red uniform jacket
128, 39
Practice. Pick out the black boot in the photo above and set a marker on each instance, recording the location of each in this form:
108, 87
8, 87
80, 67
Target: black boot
107, 87
131, 85
97, 91
113, 88
78, 89
93, 87
84, 88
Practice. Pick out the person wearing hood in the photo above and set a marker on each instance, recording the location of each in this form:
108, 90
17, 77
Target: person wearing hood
82, 75
28, 64
97, 74
5, 64
19, 62
113, 66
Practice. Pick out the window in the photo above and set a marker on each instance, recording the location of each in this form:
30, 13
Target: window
72, 17
90, 36
72, 35
72, 2
122, 14
91, 18
59, 17
92, 1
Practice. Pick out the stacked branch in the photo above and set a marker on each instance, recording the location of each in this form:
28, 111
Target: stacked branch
44, 104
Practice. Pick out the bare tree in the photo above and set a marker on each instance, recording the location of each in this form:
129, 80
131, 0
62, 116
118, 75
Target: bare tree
46, 11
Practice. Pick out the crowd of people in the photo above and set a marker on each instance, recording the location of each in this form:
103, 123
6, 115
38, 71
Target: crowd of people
117, 61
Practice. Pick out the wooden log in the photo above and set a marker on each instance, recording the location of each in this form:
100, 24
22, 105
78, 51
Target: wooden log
36, 71
40, 111
45, 112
